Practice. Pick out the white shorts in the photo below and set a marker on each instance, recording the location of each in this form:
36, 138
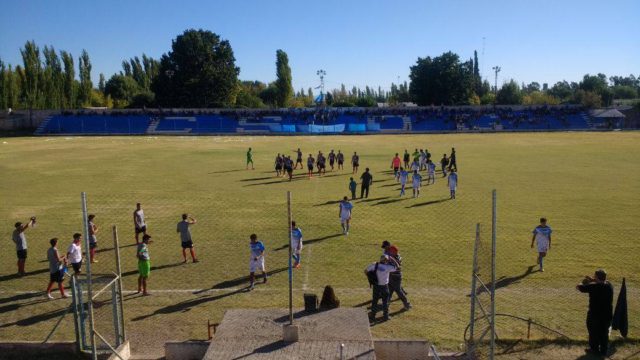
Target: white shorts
255, 265
416, 185
344, 219
452, 187
543, 247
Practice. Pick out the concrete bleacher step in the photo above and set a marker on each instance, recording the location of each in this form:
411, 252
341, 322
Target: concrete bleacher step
43, 125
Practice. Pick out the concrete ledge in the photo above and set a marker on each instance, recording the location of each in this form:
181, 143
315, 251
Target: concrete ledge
33, 348
123, 350
392, 349
185, 350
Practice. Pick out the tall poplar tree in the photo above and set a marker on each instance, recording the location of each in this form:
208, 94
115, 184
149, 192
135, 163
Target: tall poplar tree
283, 80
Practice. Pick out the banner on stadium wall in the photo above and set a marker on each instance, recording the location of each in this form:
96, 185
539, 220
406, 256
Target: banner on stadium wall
317, 129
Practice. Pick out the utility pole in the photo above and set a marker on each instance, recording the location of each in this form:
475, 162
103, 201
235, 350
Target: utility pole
497, 70
322, 74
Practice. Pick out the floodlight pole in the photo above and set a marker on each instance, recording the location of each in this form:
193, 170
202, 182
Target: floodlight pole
322, 74
290, 255
497, 70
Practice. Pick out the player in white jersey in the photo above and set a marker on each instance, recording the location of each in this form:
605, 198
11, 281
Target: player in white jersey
256, 261
542, 237
345, 214
431, 172
403, 175
423, 160
452, 180
415, 165
296, 244
417, 181
138, 222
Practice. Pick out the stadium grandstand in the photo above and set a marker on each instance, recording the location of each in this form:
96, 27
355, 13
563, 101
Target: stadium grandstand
325, 120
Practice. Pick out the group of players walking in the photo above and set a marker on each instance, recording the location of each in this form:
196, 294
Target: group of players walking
284, 164
422, 161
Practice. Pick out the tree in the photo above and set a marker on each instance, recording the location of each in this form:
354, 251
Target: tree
477, 80
3, 86
101, 83
597, 84
624, 92
269, 95
84, 71
441, 80
561, 90
69, 80
122, 89
588, 99
539, 98
32, 68
532, 87
509, 94
283, 79
199, 71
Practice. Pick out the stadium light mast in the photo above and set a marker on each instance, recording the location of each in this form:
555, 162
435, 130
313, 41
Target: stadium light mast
322, 74
497, 70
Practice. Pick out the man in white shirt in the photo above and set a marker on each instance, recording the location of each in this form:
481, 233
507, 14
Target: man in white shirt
345, 214
452, 180
383, 268
138, 222
542, 237
74, 253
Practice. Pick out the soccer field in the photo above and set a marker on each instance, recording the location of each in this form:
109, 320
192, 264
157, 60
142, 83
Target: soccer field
586, 184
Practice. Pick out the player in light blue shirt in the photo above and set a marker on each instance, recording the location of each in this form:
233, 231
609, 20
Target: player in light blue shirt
256, 262
403, 175
345, 214
431, 172
417, 181
296, 244
542, 237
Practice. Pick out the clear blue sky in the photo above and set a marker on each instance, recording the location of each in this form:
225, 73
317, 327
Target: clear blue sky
364, 42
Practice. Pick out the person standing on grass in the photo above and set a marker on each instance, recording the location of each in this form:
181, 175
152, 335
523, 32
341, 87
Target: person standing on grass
310, 162
56, 272
296, 244
431, 172
406, 158
20, 239
340, 159
299, 159
249, 159
332, 159
403, 175
257, 260
321, 164
452, 181
395, 165
138, 222
345, 215
288, 167
444, 162
416, 156
382, 269
416, 179
542, 237
395, 278
367, 180
93, 240
453, 165
600, 310
144, 265
185, 237
415, 166
74, 253
278, 164
352, 187
423, 160
355, 162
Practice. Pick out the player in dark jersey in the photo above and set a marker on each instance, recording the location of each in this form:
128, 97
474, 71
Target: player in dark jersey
278, 165
321, 163
340, 158
332, 159
406, 158
310, 162
299, 159
355, 161
288, 167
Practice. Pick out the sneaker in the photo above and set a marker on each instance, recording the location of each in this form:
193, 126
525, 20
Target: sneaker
49, 296
195, 261
94, 261
408, 307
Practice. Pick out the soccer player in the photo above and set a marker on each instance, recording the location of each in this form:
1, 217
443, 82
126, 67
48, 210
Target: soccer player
403, 175
288, 167
431, 172
332, 159
299, 159
423, 160
257, 260
20, 239
453, 165
144, 265
93, 240
74, 253
352, 187
415, 165
296, 244
355, 162
249, 159
278, 165
185, 237
444, 162
406, 158
310, 162
345, 215
416, 156
395, 165
321, 164
367, 180
452, 181
138, 222
542, 236
340, 159
56, 263
417, 181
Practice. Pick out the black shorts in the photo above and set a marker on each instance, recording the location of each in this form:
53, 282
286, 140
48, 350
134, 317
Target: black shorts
289, 170
76, 266
278, 167
321, 166
310, 167
187, 244
299, 161
22, 254
340, 162
57, 276
93, 245
355, 164
141, 229
331, 162
395, 169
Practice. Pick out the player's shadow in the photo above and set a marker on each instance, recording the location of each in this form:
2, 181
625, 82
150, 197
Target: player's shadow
240, 281
37, 318
21, 297
17, 276
226, 171
430, 202
504, 281
154, 268
111, 248
310, 241
389, 185
330, 202
391, 201
279, 181
373, 199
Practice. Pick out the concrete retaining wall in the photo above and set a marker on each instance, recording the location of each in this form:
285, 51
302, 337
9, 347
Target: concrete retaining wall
185, 350
124, 351
30, 349
390, 349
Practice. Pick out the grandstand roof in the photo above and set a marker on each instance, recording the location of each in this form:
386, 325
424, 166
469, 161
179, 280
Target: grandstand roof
607, 113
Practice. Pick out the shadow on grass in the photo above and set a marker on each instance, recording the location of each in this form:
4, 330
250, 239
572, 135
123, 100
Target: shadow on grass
37, 318
330, 202
265, 349
390, 201
504, 281
310, 241
135, 272
389, 185
111, 248
240, 281
431, 202
379, 320
21, 297
226, 171
17, 276
373, 199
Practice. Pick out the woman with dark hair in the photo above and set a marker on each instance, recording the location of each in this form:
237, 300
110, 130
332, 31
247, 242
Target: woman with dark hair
329, 300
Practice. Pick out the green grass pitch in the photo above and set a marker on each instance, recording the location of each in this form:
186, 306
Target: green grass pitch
586, 184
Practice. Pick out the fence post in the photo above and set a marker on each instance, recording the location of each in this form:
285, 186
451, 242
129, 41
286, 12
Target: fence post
474, 271
85, 228
116, 246
493, 274
290, 254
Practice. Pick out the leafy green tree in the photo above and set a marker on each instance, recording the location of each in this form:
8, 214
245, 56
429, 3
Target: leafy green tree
509, 94
69, 80
84, 71
199, 72
561, 90
441, 80
31, 79
588, 99
539, 98
283, 79
624, 92
52, 79
101, 83
269, 95
3, 86
122, 89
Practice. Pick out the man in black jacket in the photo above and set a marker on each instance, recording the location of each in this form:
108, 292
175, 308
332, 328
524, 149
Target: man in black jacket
367, 180
600, 310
